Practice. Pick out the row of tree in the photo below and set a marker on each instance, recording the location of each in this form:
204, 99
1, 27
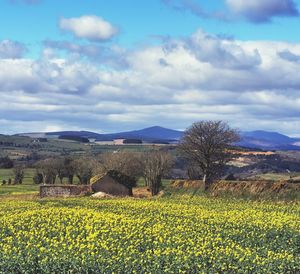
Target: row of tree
150, 165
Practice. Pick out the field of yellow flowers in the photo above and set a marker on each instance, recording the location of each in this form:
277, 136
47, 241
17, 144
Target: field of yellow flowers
169, 235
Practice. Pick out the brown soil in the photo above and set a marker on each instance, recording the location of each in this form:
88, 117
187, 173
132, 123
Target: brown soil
255, 187
141, 192
186, 184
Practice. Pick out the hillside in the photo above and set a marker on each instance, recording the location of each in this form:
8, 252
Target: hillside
147, 134
258, 139
268, 140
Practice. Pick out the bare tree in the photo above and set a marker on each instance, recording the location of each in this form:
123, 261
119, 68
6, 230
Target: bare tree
69, 167
128, 163
60, 169
48, 168
65, 169
206, 144
19, 174
84, 168
156, 164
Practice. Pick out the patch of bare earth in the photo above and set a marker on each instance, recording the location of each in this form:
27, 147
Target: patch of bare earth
141, 192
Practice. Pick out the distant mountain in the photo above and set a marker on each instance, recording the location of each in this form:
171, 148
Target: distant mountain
84, 134
252, 139
146, 134
32, 134
273, 137
268, 140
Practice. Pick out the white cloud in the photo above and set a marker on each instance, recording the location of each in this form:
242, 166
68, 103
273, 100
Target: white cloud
222, 53
90, 27
255, 11
11, 49
259, 11
203, 76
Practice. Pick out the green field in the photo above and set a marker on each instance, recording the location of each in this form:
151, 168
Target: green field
19, 189
178, 234
14, 145
17, 147
5, 174
26, 188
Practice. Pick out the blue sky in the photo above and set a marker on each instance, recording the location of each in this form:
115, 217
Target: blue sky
138, 21
119, 65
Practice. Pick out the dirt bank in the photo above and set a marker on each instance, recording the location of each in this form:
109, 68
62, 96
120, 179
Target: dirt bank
186, 184
255, 187
259, 188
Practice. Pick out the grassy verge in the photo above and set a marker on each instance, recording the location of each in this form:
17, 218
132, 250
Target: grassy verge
18, 189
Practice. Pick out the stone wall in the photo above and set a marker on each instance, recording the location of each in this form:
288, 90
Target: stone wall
64, 190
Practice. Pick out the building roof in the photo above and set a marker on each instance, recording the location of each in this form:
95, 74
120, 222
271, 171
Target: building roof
119, 177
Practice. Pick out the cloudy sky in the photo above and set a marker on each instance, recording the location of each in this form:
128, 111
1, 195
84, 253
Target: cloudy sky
117, 65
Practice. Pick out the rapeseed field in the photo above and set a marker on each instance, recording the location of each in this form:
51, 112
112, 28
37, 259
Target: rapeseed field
169, 235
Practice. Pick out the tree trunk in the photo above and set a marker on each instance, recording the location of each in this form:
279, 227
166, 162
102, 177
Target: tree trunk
207, 181
155, 186
130, 192
80, 179
146, 182
70, 179
153, 190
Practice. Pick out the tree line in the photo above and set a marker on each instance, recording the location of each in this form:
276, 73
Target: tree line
152, 166
205, 147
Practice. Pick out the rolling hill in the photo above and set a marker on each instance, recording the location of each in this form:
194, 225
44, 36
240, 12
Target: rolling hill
268, 140
146, 134
252, 139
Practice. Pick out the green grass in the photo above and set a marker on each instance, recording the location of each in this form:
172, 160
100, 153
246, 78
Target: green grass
18, 189
5, 174
26, 188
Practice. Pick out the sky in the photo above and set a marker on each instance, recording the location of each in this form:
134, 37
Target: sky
110, 66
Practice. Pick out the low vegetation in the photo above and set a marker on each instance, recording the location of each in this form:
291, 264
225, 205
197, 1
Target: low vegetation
178, 234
